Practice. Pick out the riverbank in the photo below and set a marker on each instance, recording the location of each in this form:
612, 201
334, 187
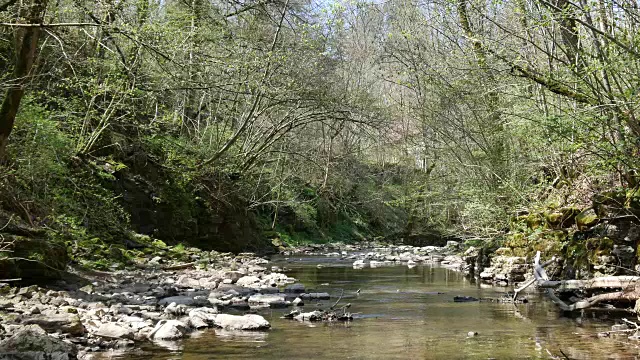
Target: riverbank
164, 301
93, 311
89, 312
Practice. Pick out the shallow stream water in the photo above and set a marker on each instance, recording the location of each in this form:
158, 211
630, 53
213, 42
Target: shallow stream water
399, 314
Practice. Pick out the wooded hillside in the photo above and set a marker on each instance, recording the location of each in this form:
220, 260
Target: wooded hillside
236, 125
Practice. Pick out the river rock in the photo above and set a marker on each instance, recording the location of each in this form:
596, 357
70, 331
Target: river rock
135, 288
202, 317
155, 261
245, 322
633, 235
248, 281
168, 330
234, 276
32, 342
623, 252
151, 315
114, 331
272, 300
310, 316
233, 290
294, 289
120, 309
185, 281
135, 322
28, 291
297, 302
464, 299
35, 310
315, 296
65, 323
179, 300
175, 309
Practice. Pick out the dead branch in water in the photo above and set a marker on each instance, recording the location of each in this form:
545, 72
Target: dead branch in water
337, 302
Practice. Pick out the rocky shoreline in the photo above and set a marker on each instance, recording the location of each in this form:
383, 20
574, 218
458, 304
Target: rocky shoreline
494, 269
164, 302
119, 310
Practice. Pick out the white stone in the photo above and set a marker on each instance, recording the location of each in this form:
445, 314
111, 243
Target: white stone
248, 281
114, 331
168, 330
245, 322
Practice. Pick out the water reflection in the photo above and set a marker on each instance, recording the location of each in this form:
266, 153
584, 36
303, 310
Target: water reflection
240, 335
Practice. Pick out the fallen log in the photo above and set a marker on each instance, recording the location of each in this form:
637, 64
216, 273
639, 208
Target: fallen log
595, 283
629, 288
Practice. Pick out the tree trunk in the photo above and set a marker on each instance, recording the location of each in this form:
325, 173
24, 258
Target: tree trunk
26, 54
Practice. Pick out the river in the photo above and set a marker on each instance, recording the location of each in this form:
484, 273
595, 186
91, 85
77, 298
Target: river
407, 313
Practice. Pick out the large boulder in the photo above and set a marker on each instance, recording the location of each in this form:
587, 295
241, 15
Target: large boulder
245, 322
32, 342
65, 323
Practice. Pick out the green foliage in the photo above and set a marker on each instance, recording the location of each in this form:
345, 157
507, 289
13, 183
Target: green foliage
59, 190
204, 128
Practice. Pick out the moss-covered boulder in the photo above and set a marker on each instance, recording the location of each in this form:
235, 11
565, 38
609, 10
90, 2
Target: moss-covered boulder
586, 219
553, 219
534, 220
561, 218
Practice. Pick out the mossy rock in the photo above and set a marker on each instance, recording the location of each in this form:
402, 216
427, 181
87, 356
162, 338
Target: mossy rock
599, 244
516, 240
557, 235
277, 242
561, 218
522, 252
506, 251
533, 220
569, 215
553, 243
519, 221
586, 219
554, 219
34, 260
